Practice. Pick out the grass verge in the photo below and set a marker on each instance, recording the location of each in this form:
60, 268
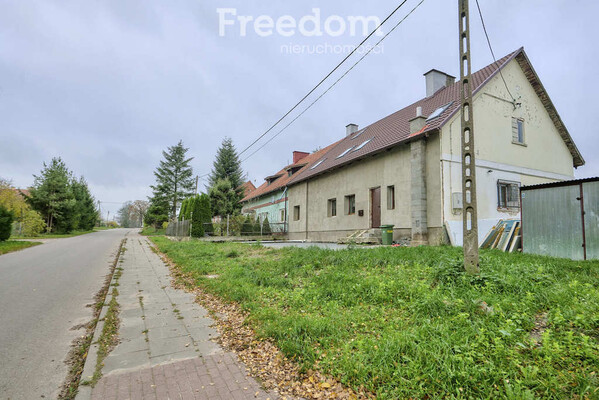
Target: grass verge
57, 235
408, 323
15, 245
80, 347
150, 231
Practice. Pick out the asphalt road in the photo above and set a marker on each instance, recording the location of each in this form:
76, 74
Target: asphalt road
44, 291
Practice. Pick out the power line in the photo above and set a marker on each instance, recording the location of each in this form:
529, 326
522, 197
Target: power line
324, 79
482, 20
337, 81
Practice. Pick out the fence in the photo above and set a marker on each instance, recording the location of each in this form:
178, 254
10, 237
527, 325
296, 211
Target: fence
179, 229
233, 226
236, 228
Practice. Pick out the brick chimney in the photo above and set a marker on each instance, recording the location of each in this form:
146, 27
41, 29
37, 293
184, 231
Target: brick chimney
436, 80
299, 155
351, 128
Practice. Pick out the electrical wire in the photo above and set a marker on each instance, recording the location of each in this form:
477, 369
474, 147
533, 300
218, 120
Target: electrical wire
336, 82
482, 20
324, 79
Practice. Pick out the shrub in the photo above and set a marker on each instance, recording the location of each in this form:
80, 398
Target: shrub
247, 229
257, 229
6, 218
266, 227
197, 227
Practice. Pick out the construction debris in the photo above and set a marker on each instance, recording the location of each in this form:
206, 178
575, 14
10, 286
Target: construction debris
505, 235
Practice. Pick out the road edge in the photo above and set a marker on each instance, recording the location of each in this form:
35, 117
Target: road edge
84, 392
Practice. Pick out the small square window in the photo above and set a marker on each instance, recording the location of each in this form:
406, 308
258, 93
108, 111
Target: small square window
517, 130
508, 195
332, 208
350, 204
296, 213
390, 197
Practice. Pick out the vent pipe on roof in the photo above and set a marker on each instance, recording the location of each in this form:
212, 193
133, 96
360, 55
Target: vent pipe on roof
436, 80
351, 128
419, 111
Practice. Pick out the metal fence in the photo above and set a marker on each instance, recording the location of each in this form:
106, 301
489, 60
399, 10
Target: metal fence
228, 227
239, 228
179, 229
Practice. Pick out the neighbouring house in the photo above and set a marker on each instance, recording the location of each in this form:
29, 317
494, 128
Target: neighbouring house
270, 198
405, 169
247, 187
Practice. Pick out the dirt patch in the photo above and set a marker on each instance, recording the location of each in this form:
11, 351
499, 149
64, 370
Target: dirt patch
540, 326
263, 359
76, 357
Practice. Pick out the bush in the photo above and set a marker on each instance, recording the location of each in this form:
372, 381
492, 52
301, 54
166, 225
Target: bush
197, 227
247, 229
257, 228
6, 219
266, 227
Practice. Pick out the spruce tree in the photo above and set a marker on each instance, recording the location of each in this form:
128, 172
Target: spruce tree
223, 199
227, 166
52, 196
174, 179
86, 214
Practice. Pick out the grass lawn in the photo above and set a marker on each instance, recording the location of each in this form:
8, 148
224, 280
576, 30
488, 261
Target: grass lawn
13, 245
408, 323
150, 231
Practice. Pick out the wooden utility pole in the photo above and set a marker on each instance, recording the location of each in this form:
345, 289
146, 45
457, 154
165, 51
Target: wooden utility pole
468, 155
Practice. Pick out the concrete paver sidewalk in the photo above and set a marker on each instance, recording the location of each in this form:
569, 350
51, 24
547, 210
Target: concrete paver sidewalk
165, 349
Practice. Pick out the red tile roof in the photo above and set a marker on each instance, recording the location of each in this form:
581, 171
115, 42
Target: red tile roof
248, 187
284, 177
395, 128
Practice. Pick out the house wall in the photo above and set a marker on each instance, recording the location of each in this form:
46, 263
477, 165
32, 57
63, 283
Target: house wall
389, 168
270, 205
544, 157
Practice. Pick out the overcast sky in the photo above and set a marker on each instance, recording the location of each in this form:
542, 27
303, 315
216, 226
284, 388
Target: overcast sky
107, 85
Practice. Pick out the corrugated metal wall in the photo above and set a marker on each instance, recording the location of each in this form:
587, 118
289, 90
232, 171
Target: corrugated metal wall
591, 218
552, 221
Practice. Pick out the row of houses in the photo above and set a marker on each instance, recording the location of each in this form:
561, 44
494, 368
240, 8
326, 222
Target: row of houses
405, 169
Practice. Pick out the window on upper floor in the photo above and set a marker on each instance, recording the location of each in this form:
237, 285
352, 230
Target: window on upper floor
332, 207
508, 195
296, 213
283, 215
517, 130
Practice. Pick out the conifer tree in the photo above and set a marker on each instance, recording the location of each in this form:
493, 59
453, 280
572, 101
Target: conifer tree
266, 227
227, 166
52, 196
174, 179
6, 218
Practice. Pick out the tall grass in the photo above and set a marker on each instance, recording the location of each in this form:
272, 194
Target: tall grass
408, 322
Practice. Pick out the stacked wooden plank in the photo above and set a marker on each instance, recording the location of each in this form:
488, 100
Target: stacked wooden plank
505, 236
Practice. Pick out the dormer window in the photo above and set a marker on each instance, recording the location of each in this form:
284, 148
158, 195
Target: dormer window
271, 179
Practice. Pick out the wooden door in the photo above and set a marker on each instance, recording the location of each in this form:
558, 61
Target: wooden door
375, 208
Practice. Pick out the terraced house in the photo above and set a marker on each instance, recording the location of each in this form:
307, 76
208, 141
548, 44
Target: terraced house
269, 200
405, 169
